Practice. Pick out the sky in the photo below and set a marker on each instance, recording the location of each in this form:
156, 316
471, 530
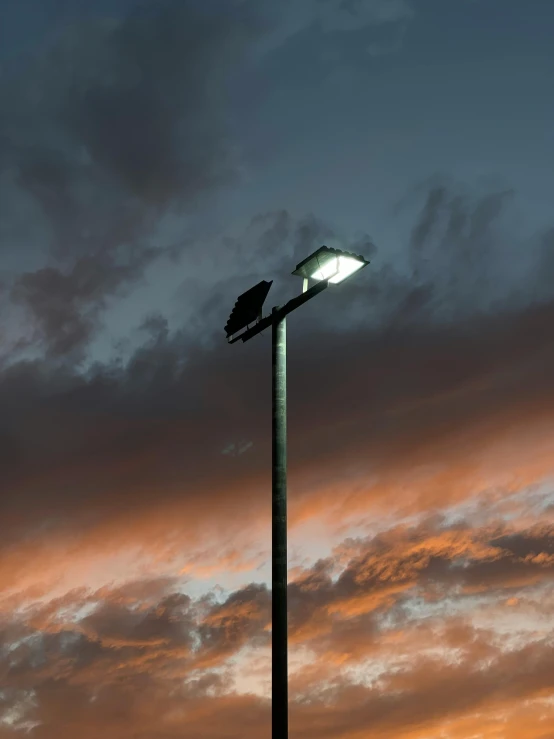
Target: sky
159, 158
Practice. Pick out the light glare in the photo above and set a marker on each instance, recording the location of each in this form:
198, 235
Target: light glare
337, 269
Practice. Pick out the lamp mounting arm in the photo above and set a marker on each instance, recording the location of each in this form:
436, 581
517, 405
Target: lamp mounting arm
281, 312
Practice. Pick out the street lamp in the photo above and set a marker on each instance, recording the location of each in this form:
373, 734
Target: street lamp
325, 267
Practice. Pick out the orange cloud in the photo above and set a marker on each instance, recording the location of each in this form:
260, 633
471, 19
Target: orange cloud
372, 651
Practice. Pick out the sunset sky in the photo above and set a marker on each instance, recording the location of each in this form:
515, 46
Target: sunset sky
159, 158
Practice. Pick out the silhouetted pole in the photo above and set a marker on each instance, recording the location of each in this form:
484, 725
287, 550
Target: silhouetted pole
248, 308
279, 646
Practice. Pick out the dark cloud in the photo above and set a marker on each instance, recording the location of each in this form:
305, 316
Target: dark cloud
309, 594
129, 627
154, 119
169, 623
457, 240
143, 97
242, 619
116, 117
66, 305
109, 126
410, 377
530, 545
452, 558
115, 122
385, 575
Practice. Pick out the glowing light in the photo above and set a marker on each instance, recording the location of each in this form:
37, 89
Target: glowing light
337, 269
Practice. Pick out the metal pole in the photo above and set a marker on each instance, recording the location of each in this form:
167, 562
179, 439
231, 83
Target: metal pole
279, 662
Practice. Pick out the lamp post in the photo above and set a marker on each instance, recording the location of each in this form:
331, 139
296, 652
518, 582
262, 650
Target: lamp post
326, 266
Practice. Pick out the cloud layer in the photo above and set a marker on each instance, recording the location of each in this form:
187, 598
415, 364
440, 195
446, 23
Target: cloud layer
371, 647
134, 489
